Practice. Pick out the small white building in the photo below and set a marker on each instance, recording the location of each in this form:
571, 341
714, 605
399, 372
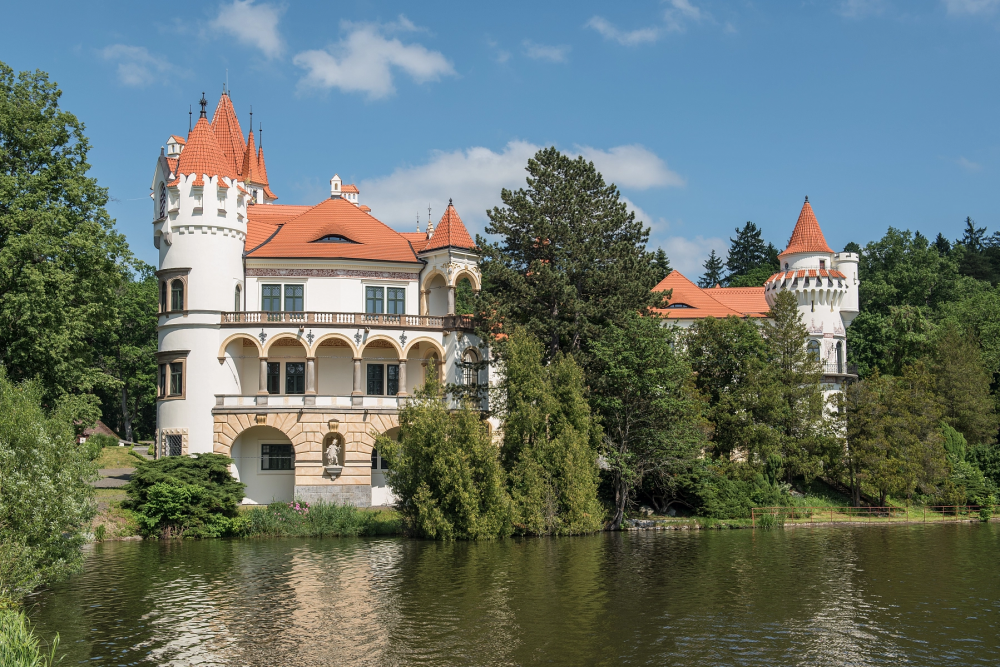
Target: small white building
290, 335
824, 282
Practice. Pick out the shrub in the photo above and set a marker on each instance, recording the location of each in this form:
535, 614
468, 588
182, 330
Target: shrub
300, 519
725, 498
180, 495
19, 647
46, 501
102, 440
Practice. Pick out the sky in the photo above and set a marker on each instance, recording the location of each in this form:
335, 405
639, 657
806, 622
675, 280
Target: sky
705, 113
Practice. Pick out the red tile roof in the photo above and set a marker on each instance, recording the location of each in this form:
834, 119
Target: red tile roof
366, 209
228, 133
417, 239
350, 187
807, 236
263, 220
248, 168
262, 170
709, 302
450, 232
179, 139
373, 240
202, 155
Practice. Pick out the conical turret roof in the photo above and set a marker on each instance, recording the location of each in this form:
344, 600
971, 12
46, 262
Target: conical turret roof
450, 232
202, 155
262, 174
807, 236
248, 170
228, 133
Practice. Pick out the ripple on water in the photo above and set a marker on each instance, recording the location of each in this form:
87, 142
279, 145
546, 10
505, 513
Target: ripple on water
845, 596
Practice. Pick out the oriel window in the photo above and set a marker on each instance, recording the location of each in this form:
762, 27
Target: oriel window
295, 377
293, 298
396, 303
374, 299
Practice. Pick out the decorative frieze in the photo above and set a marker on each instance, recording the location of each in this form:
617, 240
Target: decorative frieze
330, 273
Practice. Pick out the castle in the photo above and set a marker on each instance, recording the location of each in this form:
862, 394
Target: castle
824, 282
289, 335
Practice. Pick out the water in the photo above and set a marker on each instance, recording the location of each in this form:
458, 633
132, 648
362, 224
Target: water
895, 595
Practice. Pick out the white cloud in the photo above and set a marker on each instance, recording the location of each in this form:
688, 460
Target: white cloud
625, 38
475, 176
680, 12
555, 54
968, 165
688, 255
633, 166
136, 65
252, 24
856, 9
365, 59
971, 6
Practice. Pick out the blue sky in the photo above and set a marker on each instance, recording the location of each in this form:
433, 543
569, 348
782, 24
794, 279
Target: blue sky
706, 113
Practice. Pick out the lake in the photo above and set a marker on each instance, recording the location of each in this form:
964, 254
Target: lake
919, 594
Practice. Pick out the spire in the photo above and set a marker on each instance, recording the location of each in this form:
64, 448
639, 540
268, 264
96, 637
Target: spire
248, 172
202, 102
807, 236
262, 175
202, 156
430, 225
450, 232
228, 132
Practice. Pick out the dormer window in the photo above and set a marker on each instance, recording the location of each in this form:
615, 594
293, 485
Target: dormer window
679, 305
333, 238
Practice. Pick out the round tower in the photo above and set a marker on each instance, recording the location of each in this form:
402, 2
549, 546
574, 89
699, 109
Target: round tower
200, 210
812, 272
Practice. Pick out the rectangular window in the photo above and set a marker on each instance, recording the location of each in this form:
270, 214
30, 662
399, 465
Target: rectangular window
276, 457
392, 379
376, 379
174, 443
176, 378
396, 303
470, 374
270, 298
163, 296
177, 295
163, 380
374, 298
374, 459
293, 298
273, 377
295, 377
822, 263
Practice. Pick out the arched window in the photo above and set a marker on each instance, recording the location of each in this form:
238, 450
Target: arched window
470, 368
813, 348
840, 356
786, 266
237, 301
177, 294
163, 296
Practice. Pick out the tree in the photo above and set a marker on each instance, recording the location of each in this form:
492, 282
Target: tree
973, 238
59, 252
661, 265
126, 353
964, 386
46, 500
852, 247
465, 298
747, 251
650, 411
752, 278
571, 260
799, 420
549, 448
942, 244
445, 471
713, 271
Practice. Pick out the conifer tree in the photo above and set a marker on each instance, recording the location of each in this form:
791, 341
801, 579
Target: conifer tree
713, 271
550, 441
747, 251
571, 259
661, 265
964, 386
942, 244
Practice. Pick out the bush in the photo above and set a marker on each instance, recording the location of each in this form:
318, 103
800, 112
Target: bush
180, 495
725, 498
300, 519
46, 501
101, 440
19, 647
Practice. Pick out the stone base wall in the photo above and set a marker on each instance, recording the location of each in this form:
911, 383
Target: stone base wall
359, 495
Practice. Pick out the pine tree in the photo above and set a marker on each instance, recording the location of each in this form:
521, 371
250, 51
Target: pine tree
942, 244
851, 246
713, 271
747, 251
964, 386
973, 238
661, 264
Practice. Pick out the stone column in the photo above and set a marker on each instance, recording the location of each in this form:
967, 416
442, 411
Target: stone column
451, 299
310, 375
402, 378
262, 384
423, 302
357, 396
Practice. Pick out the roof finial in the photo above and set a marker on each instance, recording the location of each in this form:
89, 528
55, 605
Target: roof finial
449, 201
251, 118
203, 102
807, 199
418, 221
260, 135
189, 119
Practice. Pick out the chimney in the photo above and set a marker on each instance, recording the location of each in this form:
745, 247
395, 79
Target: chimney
335, 187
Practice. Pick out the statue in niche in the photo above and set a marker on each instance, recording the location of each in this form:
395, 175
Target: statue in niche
333, 453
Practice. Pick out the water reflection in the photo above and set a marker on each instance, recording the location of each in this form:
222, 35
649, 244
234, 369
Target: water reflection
844, 596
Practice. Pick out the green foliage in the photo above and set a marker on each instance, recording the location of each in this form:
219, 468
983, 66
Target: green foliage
46, 500
180, 495
749, 254
986, 510
60, 256
445, 471
550, 442
300, 519
964, 385
19, 647
728, 497
650, 410
713, 271
660, 264
571, 260
954, 444
465, 299
100, 440
755, 277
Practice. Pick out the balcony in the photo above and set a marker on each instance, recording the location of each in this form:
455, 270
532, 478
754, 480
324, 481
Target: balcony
449, 322
834, 368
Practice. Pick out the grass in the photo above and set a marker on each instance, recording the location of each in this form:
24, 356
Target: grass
117, 457
19, 647
317, 520
112, 521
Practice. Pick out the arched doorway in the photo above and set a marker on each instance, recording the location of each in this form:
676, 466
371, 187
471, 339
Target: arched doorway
381, 493
264, 460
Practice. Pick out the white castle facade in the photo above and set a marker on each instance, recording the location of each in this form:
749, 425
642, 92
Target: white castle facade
290, 335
